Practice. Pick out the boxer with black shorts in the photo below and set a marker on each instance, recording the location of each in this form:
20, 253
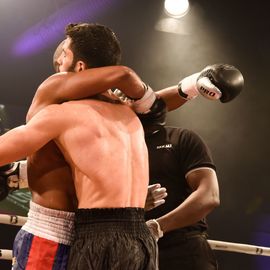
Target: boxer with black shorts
90, 133
49, 176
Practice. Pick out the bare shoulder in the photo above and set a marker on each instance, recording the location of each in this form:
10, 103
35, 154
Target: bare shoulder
48, 87
52, 119
48, 92
50, 111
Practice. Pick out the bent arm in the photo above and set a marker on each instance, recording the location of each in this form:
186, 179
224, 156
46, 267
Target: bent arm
24, 140
203, 199
61, 87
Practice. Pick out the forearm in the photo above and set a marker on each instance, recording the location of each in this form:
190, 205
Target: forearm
71, 86
12, 146
197, 206
171, 97
22, 141
94, 81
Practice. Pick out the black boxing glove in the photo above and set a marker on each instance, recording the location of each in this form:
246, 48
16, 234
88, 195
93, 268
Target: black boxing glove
218, 81
13, 176
155, 119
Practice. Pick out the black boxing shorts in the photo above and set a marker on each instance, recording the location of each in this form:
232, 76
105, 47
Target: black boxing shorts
112, 239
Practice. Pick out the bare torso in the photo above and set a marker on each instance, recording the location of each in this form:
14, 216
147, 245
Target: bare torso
50, 179
104, 145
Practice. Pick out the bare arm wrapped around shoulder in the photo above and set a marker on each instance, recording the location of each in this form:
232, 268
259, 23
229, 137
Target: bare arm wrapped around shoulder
65, 86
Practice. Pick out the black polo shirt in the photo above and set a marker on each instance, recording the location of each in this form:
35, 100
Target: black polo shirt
173, 152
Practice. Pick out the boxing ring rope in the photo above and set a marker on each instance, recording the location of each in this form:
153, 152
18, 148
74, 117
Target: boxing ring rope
15, 220
237, 247
12, 219
6, 254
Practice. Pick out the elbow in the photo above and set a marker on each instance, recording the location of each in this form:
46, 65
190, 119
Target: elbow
126, 75
214, 202
211, 202
126, 72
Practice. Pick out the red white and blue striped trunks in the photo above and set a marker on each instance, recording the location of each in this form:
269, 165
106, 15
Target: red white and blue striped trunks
44, 241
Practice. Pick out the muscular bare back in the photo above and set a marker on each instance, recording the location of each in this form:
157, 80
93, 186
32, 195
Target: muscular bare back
104, 145
49, 175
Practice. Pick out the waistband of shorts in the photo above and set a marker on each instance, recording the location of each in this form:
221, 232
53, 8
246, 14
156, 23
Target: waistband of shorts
95, 215
51, 224
100, 220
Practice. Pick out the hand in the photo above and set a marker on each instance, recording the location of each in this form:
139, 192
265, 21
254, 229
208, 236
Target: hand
154, 228
155, 196
121, 96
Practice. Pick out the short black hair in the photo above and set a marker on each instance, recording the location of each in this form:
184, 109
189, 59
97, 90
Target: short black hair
94, 44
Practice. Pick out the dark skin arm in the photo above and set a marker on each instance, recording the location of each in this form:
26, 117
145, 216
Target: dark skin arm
171, 97
203, 199
65, 86
57, 89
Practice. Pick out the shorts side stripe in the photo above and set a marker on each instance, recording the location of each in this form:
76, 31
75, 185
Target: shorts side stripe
42, 254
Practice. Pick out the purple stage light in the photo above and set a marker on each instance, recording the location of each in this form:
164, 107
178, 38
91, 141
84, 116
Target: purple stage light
47, 32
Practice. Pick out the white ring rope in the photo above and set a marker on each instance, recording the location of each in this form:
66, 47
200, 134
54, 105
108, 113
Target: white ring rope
12, 219
217, 245
237, 247
6, 254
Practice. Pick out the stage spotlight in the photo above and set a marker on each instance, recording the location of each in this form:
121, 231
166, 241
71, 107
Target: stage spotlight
176, 8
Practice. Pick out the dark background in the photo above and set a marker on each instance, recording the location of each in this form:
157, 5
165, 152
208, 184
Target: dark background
214, 31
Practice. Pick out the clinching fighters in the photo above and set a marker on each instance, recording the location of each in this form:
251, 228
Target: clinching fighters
89, 155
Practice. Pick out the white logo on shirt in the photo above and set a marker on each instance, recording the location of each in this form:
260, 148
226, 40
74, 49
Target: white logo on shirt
169, 145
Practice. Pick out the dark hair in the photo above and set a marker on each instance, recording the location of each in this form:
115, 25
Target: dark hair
94, 44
